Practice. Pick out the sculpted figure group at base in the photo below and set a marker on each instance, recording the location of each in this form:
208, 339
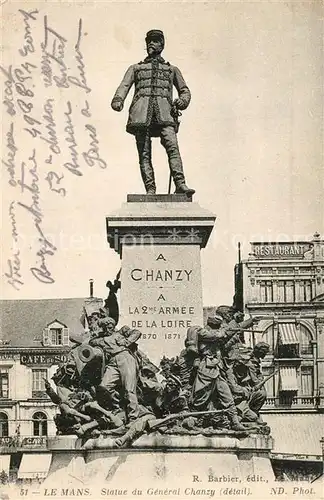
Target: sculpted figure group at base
108, 387
153, 113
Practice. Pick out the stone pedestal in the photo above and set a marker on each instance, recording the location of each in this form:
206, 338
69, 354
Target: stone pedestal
159, 238
165, 461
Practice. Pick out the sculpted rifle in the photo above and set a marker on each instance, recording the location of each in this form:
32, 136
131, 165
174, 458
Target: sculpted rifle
154, 424
264, 381
239, 330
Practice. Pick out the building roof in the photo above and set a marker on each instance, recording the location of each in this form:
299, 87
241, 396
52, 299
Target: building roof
22, 321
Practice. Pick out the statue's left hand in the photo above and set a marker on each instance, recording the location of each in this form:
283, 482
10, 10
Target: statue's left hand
178, 104
117, 105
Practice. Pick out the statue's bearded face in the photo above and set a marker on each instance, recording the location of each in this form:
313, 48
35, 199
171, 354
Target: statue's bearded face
154, 47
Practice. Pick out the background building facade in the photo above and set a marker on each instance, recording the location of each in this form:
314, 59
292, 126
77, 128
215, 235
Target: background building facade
35, 340
283, 285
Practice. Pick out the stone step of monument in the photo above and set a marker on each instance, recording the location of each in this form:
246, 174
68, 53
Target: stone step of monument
157, 198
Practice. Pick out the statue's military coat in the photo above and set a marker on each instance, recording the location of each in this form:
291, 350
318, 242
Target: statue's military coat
153, 80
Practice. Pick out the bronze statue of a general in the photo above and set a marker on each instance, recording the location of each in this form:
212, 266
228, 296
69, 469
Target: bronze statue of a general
153, 113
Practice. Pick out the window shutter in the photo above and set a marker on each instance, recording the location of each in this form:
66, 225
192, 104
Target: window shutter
65, 336
46, 337
306, 381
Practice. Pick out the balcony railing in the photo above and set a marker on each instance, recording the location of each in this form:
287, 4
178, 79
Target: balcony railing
286, 402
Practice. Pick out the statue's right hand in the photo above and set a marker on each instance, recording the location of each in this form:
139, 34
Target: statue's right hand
117, 105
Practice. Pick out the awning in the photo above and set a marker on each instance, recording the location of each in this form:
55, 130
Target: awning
34, 465
288, 333
5, 463
298, 433
288, 379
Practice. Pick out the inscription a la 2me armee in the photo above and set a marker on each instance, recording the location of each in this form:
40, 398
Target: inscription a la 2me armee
161, 295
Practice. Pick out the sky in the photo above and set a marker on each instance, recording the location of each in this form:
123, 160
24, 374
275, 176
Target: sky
251, 140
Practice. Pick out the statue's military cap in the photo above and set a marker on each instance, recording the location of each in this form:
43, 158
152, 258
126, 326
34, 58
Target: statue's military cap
214, 321
261, 347
154, 34
221, 310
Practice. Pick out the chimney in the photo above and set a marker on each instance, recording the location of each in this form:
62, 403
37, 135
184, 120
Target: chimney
239, 252
91, 288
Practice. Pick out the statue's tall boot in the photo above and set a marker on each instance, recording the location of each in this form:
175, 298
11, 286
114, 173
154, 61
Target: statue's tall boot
144, 148
236, 425
184, 189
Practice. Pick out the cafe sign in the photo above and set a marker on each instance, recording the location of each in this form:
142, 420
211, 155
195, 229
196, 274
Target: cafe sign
280, 250
42, 359
30, 442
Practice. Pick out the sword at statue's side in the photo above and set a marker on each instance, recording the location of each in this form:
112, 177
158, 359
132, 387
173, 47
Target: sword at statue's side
175, 113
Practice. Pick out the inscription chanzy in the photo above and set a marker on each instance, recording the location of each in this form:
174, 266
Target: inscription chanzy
161, 275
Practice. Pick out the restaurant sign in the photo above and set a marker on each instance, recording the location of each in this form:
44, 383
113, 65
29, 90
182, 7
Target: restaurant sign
280, 250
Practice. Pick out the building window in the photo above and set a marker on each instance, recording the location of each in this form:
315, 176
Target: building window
56, 334
268, 337
306, 381
38, 387
39, 424
4, 428
288, 342
270, 384
305, 344
289, 291
286, 291
4, 383
281, 292
306, 294
266, 289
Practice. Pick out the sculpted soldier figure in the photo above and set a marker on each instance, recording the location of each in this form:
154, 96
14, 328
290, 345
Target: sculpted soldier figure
121, 371
153, 113
246, 380
259, 394
210, 385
